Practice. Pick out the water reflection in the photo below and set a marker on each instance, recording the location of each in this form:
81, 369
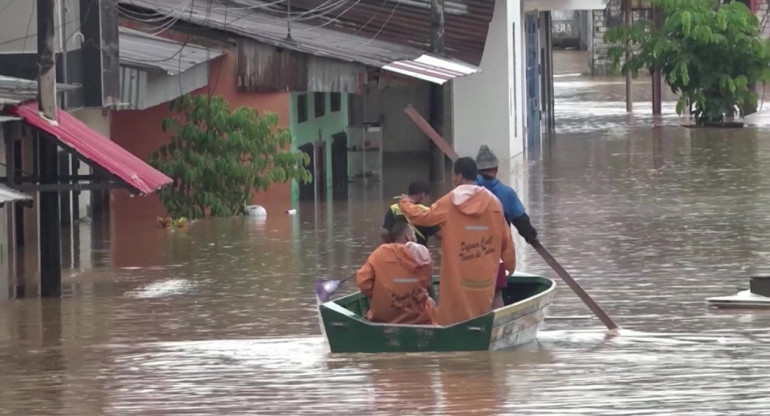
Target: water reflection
219, 318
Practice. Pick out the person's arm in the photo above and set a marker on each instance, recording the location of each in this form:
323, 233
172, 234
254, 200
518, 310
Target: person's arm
426, 217
365, 278
519, 218
387, 225
427, 276
508, 253
432, 291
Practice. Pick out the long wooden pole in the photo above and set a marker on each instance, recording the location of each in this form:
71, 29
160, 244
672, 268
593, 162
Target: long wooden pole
48, 162
545, 254
657, 91
585, 297
628, 20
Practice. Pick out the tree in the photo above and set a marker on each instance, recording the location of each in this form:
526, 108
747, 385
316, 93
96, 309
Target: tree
218, 158
710, 54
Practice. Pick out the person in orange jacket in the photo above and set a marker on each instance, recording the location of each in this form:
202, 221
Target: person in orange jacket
397, 279
475, 236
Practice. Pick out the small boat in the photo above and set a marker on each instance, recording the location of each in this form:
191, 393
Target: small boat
527, 298
743, 300
757, 297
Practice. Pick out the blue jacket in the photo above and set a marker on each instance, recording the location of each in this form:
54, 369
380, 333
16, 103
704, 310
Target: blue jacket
512, 206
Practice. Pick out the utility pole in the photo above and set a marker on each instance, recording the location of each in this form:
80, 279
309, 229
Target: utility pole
657, 91
436, 105
50, 244
628, 18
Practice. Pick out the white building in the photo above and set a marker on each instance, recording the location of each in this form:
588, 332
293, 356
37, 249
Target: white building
510, 103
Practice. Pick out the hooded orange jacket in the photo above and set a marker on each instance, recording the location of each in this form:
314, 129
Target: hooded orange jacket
395, 278
475, 237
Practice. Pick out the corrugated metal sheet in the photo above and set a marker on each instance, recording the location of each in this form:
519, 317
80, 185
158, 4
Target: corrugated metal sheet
143, 50
142, 89
77, 136
17, 90
9, 195
264, 68
431, 69
305, 38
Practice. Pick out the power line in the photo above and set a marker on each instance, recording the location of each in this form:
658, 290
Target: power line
392, 12
29, 24
74, 20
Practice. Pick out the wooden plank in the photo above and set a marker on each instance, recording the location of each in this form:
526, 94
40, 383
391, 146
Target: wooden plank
430, 132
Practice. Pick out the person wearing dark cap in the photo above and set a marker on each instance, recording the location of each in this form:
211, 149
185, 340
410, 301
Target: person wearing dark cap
487, 162
419, 192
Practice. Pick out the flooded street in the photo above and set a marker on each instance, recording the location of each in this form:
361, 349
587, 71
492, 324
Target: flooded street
220, 318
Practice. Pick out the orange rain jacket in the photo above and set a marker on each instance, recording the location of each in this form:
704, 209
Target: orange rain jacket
475, 237
395, 278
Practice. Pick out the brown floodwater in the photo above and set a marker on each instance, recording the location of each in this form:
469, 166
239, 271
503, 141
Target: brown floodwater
219, 318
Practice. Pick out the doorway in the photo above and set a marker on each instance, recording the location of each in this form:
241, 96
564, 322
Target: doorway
340, 166
532, 46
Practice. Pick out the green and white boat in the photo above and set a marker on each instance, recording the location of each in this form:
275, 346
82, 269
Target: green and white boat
527, 298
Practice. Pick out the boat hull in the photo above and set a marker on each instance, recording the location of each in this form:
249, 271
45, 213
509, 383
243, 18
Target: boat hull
346, 329
743, 300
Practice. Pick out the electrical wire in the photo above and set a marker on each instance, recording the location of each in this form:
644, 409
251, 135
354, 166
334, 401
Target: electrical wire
261, 5
392, 12
74, 20
29, 24
374, 16
314, 28
168, 18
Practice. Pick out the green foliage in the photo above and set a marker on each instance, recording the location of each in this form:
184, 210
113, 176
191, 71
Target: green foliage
710, 54
218, 158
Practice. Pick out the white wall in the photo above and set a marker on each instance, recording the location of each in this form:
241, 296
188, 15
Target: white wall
5, 240
94, 118
488, 106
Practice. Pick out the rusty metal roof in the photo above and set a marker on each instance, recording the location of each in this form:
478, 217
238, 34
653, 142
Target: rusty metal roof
256, 23
139, 49
406, 22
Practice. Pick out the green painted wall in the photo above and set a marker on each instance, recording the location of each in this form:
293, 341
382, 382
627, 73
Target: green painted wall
330, 123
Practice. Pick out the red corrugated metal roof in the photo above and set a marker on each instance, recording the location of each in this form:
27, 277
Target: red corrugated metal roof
93, 146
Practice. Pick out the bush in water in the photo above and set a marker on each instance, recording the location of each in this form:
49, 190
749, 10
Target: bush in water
218, 158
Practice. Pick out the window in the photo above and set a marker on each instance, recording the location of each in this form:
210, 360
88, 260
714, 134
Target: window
336, 102
320, 104
301, 108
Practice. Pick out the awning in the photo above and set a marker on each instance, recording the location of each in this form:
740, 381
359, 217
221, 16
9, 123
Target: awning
77, 136
432, 69
10, 195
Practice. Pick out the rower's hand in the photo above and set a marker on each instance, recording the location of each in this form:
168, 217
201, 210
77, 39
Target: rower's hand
525, 228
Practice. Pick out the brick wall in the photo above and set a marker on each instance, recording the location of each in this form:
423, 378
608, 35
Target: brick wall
601, 21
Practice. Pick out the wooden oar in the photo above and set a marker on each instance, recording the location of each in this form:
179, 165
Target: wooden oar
325, 289
447, 149
595, 308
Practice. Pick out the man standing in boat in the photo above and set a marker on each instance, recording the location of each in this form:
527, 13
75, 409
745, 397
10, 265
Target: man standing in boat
513, 209
397, 279
419, 192
475, 236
